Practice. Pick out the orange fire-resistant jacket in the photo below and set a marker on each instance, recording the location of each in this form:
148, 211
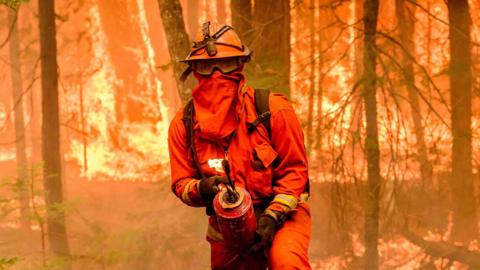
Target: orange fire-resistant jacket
273, 171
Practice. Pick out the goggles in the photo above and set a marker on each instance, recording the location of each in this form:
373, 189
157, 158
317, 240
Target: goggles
225, 65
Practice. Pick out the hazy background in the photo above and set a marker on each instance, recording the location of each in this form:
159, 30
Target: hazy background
117, 92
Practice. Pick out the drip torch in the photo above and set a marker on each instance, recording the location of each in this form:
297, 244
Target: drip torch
235, 215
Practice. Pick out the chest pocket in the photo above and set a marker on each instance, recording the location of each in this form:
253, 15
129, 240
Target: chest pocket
259, 182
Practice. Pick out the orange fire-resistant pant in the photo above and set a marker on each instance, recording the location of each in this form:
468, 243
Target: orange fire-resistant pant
288, 250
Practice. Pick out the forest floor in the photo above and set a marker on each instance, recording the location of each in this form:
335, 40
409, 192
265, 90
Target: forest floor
142, 225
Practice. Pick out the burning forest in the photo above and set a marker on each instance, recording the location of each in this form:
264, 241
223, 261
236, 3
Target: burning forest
386, 93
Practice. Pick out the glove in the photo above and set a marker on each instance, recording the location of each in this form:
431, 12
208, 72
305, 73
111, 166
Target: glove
208, 188
267, 226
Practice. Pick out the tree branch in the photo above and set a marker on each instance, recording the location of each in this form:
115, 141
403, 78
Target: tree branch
10, 30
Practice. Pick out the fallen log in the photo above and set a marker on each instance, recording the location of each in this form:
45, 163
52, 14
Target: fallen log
445, 250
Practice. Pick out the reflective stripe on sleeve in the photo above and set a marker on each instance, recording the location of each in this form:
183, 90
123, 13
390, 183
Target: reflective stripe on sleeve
185, 194
287, 200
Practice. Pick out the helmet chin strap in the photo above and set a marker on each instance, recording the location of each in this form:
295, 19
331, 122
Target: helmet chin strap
186, 73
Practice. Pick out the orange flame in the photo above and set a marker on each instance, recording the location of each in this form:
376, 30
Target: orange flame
147, 152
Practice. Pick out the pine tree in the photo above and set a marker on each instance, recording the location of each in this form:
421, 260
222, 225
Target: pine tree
57, 232
465, 219
405, 17
21, 156
370, 8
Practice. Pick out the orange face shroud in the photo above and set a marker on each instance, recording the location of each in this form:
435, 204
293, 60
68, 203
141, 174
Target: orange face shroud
214, 100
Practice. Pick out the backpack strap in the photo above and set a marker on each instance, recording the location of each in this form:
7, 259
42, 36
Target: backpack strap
188, 113
262, 106
187, 119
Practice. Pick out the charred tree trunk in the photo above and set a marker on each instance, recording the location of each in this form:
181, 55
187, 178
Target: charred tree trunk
21, 155
177, 39
405, 17
57, 233
464, 225
242, 19
272, 43
370, 8
192, 13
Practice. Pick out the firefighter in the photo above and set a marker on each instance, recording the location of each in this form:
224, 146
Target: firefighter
266, 155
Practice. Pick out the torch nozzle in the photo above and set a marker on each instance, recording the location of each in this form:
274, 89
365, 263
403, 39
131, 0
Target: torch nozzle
232, 193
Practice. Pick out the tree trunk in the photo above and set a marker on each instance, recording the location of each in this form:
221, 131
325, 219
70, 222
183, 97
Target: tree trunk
357, 106
311, 92
405, 17
16, 75
177, 39
192, 13
272, 44
370, 8
429, 37
242, 19
132, 94
57, 233
464, 224
322, 19
221, 12
318, 131
358, 73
